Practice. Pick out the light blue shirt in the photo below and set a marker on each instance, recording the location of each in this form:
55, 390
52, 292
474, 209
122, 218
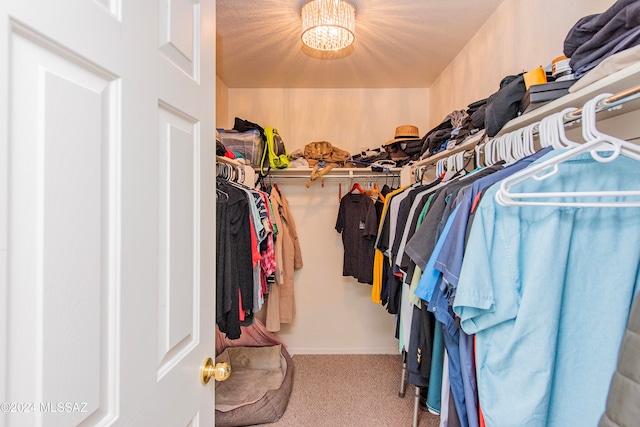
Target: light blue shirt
547, 291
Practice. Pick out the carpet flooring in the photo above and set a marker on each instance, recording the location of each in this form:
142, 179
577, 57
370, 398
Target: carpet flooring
350, 390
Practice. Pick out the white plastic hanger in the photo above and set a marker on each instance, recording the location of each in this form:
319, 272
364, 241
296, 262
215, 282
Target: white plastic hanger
516, 145
560, 137
460, 162
597, 143
488, 160
491, 152
530, 146
503, 145
440, 167
521, 144
496, 149
451, 168
498, 152
548, 131
479, 162
451, 163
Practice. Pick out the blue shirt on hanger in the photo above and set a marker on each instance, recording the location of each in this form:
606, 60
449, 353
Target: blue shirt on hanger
547, 291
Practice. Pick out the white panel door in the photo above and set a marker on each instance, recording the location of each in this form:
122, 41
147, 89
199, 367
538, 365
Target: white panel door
107, 233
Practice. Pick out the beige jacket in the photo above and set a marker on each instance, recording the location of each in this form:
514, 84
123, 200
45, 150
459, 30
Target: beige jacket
281, 307
623, 401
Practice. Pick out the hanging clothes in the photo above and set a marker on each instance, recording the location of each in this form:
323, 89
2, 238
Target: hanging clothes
281, 307
441, 216
542, 288
380, 261
234, 273
244, 255
358, 223
623, 400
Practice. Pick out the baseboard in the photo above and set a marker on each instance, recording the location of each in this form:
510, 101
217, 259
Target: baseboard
367, 350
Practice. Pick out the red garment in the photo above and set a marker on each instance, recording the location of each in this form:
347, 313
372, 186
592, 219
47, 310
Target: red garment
269, 258
482, 423
476, 201
267, 264
255, 248
241, 316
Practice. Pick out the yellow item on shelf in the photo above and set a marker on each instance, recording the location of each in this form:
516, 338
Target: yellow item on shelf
536, 76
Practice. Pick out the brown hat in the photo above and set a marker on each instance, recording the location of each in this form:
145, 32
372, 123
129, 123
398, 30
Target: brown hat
404, 133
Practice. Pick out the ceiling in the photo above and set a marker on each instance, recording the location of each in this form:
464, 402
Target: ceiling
399, 43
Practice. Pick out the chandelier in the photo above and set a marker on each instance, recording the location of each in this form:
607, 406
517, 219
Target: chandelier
328, 25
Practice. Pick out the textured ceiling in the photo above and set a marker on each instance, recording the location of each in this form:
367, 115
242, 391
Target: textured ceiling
399, 43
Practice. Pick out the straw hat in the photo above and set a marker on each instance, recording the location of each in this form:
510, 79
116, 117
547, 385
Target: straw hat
404, 133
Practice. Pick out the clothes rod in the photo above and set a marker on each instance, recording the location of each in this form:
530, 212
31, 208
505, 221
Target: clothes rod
380, 175
613, 101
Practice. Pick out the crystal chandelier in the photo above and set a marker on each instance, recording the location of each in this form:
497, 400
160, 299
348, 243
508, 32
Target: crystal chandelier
328, 25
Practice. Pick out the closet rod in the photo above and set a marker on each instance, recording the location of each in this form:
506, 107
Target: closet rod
613, 101
380, 175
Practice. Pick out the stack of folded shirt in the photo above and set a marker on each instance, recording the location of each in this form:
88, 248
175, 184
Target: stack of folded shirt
596, 37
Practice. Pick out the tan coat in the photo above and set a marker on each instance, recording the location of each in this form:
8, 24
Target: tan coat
623, 400
281, 307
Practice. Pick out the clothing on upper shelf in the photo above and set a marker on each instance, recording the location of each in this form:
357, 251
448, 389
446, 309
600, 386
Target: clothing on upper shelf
596, 37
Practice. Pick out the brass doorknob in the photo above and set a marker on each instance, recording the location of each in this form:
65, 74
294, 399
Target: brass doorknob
220, 371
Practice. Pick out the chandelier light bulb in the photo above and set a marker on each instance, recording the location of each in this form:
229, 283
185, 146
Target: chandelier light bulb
328, 25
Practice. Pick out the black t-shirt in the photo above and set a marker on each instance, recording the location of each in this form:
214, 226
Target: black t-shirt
358, 224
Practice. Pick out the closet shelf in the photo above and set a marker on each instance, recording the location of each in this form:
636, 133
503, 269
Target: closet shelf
624, 85
468, 144
343, 173
617, 82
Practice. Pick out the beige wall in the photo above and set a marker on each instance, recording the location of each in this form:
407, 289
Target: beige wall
222, 103
348, 118
335, 314
519, 36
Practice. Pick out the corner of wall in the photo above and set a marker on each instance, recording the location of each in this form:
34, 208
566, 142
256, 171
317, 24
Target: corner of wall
222, 104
